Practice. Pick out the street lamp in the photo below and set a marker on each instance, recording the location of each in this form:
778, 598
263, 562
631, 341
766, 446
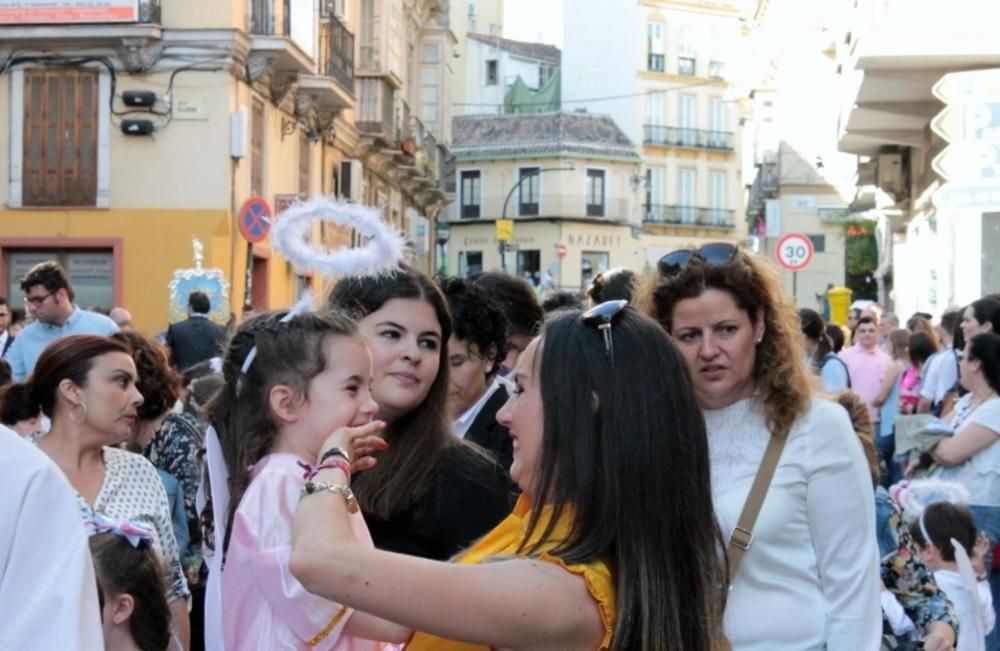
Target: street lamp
569, 167
443, 232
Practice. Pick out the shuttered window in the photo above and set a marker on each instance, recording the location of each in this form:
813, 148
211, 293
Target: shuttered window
60, 138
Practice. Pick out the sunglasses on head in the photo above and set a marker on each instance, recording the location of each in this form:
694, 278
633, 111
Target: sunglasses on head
601, 316
714, 254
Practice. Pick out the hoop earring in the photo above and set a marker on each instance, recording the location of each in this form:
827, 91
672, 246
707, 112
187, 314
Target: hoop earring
82, 420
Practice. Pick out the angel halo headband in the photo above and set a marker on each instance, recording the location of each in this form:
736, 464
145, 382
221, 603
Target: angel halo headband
290, 237
134, 532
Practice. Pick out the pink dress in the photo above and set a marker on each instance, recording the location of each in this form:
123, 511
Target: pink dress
263, 605
909, 391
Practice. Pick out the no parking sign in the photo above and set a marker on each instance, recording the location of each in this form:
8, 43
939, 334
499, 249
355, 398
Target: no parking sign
255, 219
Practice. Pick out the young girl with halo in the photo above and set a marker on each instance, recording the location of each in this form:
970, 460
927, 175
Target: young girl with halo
290, 381
944, 531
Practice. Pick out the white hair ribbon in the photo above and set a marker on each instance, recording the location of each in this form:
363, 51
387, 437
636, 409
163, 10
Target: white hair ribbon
301, 306
218, 477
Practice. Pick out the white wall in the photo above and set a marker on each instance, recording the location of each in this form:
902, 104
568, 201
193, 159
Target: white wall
482, 98
604, 42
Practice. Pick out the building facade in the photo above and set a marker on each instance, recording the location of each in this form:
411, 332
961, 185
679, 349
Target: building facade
133, 128
471, 17
493, 65
893, 55
666, 83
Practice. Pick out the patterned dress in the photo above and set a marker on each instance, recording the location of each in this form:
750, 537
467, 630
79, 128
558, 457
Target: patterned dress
177, 448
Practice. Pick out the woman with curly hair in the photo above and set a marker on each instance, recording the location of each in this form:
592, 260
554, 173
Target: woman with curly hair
477, 345
812, 549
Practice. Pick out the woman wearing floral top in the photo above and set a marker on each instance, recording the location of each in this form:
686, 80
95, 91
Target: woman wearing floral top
172, 441
86, 386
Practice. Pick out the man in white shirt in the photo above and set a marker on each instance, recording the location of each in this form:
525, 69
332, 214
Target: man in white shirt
942, 368
48, 593
5, 338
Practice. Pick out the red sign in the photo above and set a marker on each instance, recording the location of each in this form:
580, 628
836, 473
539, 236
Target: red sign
561, 250
794, 251
255, 219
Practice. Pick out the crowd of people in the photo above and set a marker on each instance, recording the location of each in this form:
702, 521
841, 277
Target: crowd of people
675, 461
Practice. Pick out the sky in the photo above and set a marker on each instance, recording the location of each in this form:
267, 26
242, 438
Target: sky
537, 21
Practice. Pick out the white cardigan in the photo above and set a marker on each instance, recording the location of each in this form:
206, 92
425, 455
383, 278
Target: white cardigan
811, 577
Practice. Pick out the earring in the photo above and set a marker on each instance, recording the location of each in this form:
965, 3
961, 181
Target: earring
82, 420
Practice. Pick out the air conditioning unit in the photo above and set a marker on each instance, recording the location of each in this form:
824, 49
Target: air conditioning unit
889, 173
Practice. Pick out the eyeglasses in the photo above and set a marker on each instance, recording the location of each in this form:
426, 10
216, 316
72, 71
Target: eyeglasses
37, 300
714, 254
601, 316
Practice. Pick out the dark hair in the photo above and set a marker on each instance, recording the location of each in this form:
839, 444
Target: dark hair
561, 300
16, 404
987, 310
836, 336
287, 353
476, 318
603, 454
950, 320
200, 394
66, 358
780, 379
611, 285
918, 323
138, 572
985, 347
6, 373
199, 303
865, 320
16, 315
49, 275
516, 298
920, 347
158, 382
419, 439
944, 521
814, 329
195, 371
3, 300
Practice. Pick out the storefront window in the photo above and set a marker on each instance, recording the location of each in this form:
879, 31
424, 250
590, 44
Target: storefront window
470, 262
529, 265
91, 274
591, 264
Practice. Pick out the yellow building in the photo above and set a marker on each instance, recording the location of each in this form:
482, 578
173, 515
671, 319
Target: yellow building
136, 127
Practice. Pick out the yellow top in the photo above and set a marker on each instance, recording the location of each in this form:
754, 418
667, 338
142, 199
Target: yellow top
504, 541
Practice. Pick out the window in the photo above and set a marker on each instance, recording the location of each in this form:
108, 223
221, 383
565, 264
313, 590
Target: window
687, 134
715, 69
654, 46
369, 34
717, 198
90, 271
591, 264
654, 110
685, 195
819, 243
530, 191
685, 38
685, 66
491, 72
471, 194
529, 266
717, 136
257, 148
595, 193
60, 138
430, 104
431, 53
304, 165
654, 186
470, 262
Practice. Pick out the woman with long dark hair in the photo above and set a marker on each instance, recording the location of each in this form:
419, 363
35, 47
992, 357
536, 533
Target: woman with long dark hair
431, 493
613, 544
820, 358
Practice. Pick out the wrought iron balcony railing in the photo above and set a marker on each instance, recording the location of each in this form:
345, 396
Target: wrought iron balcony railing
686, 137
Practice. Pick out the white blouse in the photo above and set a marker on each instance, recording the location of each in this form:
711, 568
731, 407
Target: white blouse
811, 577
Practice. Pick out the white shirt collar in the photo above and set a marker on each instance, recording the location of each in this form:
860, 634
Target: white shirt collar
464, 422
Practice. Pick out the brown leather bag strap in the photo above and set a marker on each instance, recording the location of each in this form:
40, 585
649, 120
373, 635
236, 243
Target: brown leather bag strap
742, 535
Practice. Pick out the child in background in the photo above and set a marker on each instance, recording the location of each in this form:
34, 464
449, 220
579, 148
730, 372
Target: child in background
130, 580
290, 381
945, 534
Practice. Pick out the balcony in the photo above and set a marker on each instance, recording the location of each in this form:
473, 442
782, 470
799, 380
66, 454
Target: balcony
688, 216
24, 23
549, 206
688, 138
271, 44
376, 113
333, 90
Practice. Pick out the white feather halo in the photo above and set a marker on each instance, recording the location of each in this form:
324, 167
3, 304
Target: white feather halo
292, 230
916, 495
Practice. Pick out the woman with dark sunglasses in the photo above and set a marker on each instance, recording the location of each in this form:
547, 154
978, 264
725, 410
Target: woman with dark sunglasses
812, 550
613, 544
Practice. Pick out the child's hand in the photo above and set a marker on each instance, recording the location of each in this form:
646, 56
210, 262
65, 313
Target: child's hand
359, 442
979, 551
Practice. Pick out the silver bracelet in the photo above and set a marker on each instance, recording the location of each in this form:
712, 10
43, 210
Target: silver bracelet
340, 489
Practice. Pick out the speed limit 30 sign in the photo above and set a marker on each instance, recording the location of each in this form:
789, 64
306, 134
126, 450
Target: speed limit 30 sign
794, 251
